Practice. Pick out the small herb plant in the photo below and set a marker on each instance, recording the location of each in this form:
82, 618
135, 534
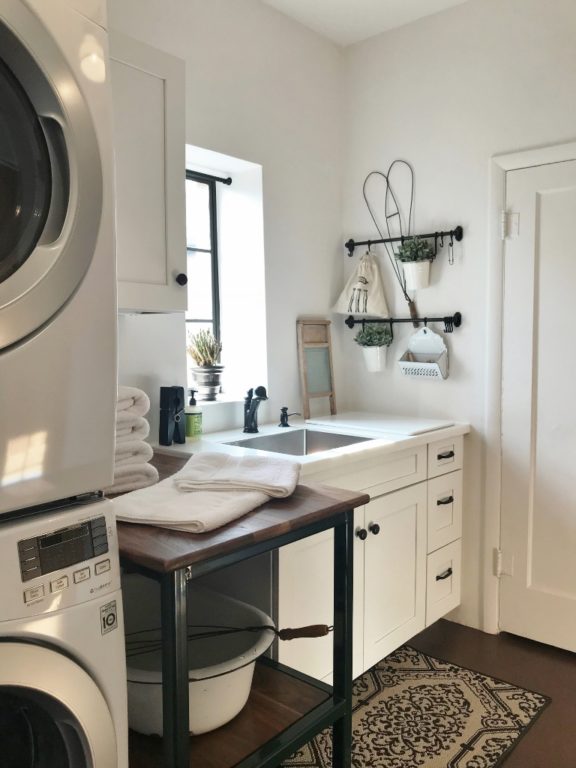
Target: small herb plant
415, 249
204, 348
374, 335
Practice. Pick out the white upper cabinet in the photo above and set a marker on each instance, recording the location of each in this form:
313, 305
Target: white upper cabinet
149, 138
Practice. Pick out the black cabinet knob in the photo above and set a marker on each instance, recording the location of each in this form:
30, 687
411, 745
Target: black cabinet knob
181, 279
374, 528
362, 533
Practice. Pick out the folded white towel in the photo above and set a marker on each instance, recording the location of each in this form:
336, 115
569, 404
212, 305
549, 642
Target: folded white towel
223, 472
131, 427
132, 452
133, 476
132, 399
196, 512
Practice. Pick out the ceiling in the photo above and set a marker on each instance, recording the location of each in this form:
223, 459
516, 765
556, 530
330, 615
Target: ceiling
350, 21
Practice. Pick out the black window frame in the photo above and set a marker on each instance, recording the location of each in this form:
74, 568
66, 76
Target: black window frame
210, 181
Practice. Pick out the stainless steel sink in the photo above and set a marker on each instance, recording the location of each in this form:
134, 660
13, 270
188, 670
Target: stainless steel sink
299, 442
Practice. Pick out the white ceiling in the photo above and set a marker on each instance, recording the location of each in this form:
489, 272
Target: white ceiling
349, 21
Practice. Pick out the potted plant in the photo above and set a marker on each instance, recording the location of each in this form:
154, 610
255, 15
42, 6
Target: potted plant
204, 349
415, 255
374, 338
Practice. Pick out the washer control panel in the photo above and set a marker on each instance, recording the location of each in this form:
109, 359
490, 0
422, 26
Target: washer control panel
63, 548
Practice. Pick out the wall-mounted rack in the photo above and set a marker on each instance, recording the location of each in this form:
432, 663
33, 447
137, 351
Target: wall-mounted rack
450, 321
454, 234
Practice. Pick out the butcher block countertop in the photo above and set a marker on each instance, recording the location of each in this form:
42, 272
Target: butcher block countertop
163, 550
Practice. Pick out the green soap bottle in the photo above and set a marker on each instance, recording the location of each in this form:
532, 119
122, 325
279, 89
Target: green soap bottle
193, 418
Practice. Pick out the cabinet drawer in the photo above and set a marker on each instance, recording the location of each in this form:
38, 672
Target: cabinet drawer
444, 456
444, 510
376, 476
443, 581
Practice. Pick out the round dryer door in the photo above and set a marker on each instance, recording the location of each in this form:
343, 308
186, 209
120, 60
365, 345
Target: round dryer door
51, 712
51, 180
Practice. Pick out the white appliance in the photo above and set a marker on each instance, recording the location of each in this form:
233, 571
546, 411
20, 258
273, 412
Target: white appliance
57, 266
62, 663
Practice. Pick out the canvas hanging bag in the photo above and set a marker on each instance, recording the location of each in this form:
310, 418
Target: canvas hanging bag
364, 292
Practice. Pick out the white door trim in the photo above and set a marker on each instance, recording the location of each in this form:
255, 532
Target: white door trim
499, 165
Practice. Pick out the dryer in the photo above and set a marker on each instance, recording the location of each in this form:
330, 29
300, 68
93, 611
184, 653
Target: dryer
62, 662
57, 265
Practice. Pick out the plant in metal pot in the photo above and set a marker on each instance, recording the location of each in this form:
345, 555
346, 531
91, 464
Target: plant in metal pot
416, 255
374, 338
204, 349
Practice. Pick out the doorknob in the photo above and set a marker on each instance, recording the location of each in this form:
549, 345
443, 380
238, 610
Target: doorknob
362, 533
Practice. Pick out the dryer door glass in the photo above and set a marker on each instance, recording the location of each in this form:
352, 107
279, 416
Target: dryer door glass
25, 176
38, 732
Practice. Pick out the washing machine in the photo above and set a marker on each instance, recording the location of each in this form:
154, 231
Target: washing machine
62, 659
57, 265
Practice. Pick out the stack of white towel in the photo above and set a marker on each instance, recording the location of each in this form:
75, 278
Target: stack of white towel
212, 489
132, 454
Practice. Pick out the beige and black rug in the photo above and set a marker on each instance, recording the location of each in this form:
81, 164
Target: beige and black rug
414, 711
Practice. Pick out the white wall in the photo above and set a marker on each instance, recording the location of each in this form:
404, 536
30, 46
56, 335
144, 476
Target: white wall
262, 88
447, 93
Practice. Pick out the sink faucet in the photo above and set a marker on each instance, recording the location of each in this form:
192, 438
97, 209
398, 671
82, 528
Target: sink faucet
251, 402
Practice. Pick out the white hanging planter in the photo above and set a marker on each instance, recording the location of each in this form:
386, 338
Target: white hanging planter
374, 358
417, 274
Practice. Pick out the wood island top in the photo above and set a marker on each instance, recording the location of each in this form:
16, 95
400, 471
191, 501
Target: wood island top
163, 550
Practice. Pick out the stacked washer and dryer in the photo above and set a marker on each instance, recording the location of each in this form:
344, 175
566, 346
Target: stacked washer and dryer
62, 661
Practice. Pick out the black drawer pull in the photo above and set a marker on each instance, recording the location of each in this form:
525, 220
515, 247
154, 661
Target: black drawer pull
445, 500
446, 575
362, 533
181, 279
374, 528
446, 455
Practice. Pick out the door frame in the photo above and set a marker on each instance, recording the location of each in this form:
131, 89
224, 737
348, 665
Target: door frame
499, 166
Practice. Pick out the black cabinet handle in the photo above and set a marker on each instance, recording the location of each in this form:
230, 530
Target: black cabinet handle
446, 455
447, 573
446, 500
181, 279
374, 528
362, 533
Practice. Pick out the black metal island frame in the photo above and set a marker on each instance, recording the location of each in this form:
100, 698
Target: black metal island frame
173, 558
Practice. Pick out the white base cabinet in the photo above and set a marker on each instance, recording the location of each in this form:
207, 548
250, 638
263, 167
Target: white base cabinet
406, 559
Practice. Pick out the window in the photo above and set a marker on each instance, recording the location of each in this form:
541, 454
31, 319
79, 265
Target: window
226, 275
202, 249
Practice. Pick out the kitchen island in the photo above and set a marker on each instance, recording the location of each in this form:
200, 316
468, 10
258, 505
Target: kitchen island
286, 709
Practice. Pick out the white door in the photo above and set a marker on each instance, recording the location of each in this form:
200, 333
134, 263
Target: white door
538, 586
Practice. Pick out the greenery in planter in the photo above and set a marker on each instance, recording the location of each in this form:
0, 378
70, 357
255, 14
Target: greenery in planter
374, 335
204, 348
415, 249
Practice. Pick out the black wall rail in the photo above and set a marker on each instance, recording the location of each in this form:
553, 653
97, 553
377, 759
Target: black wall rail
454, 234
450, 321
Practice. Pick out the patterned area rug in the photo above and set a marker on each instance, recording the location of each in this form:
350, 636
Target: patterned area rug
415, 711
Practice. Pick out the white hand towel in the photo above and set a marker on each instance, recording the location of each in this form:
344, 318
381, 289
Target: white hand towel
223, 472
195, 512
132, 452
130, 426
133, 476
132, 399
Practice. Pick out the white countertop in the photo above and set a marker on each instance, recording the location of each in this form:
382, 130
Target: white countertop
387, 434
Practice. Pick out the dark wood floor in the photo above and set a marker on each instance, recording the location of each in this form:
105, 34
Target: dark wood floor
551, 742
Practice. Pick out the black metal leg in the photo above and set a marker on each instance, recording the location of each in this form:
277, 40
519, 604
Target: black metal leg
175, 670
342, 679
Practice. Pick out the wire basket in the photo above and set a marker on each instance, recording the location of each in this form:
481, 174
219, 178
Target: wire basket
426, 356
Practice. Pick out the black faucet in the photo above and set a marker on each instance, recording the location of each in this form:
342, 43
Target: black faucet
284, 416
251, 402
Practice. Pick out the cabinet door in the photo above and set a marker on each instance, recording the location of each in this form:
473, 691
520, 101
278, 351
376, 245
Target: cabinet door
149, 139
394, 571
